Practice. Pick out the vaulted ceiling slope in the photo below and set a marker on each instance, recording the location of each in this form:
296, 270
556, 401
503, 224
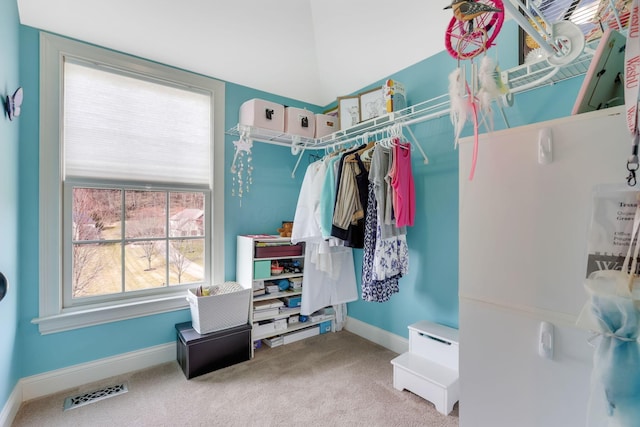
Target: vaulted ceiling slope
308, 50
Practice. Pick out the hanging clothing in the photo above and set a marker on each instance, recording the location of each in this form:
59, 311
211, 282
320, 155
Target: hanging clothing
307, 216
329, 274
385, 258
374, 290
351, 202
402, 183
328, 196
320, 288
378, 175
346, 200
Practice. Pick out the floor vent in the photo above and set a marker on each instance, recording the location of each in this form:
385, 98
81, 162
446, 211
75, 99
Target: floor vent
94, 396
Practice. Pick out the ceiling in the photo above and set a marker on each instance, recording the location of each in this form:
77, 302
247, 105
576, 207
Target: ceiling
308, 50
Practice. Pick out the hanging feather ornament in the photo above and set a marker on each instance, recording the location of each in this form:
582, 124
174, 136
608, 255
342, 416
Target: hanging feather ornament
488, 89
241, 167
488, 86
459, 105
471, 31
492, 88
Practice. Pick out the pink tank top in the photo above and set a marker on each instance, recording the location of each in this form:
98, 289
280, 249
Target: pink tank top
402, 183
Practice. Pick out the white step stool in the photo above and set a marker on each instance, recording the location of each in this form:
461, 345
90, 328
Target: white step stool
430, 367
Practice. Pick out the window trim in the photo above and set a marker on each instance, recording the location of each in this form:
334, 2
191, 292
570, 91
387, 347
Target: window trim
53, 317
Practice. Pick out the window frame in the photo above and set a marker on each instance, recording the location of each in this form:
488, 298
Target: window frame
53, 316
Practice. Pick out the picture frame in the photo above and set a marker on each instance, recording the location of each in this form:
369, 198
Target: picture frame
372, 104
348, 111
592, 21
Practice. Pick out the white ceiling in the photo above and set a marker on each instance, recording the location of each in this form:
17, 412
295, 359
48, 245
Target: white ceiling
309, 50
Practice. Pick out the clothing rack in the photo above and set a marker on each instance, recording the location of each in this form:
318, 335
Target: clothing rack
392, 130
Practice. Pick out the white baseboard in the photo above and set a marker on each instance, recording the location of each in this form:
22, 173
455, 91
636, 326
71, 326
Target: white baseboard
379, 336
74, 376
12, 406
77, 375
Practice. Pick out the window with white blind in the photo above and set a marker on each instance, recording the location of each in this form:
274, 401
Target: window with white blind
130, 185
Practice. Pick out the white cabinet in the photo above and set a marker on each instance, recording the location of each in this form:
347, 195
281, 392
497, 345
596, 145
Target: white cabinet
275, 309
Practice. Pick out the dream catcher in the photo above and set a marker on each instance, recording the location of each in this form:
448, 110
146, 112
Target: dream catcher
241, 167
472, 31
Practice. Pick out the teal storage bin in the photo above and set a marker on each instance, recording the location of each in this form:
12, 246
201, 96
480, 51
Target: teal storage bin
261, 269
294, 301
325, 327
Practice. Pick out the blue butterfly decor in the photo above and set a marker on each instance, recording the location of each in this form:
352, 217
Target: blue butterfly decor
13, 103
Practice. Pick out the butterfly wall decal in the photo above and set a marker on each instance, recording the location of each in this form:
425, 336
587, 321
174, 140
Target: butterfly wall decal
13, 103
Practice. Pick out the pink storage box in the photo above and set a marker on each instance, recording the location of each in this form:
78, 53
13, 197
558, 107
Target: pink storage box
326, 125
262, 114
299, 122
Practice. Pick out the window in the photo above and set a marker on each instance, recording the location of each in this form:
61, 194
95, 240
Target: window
131, 185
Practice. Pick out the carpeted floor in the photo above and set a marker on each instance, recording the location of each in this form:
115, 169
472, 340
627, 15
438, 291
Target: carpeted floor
334, 379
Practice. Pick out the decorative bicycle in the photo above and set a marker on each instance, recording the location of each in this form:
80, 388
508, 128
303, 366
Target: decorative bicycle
469, 34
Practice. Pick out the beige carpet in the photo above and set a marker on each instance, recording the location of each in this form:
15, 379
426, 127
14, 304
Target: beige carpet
335, 379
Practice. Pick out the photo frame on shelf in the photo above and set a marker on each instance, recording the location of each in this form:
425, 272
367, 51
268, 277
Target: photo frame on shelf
592, 17
348, 111
372, 104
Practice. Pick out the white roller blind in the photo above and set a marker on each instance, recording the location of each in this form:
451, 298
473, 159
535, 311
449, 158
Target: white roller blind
121, 127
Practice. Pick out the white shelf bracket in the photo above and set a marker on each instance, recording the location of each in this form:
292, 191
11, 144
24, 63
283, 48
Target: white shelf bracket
417, 144
297, 148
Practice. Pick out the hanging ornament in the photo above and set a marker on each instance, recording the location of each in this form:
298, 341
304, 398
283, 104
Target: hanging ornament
471, 31
241, 167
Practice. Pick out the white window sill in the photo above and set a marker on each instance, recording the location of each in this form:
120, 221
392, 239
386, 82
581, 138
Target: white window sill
91, 316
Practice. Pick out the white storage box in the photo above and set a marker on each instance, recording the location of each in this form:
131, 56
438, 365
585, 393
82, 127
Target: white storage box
265, 313
272, 289
299, 122
273, 342
263, 328
280, 324
226, 307
295, 282
262, 114
301, 334
326, 125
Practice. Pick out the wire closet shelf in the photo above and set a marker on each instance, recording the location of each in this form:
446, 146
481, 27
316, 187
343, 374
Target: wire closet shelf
547, 70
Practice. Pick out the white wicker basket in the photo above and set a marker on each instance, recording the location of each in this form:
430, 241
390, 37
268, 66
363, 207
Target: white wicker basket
227, 307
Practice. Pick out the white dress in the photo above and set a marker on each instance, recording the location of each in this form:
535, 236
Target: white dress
329, 274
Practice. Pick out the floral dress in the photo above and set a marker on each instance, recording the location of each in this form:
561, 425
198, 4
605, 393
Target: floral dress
385, 261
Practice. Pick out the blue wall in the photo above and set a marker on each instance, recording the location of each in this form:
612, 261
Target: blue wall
9, 189
429, 291
276, 195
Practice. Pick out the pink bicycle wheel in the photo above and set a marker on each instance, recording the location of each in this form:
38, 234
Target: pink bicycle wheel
467, 39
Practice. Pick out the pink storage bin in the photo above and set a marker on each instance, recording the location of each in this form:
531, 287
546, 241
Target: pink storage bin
326, 125
299, 122
262, 114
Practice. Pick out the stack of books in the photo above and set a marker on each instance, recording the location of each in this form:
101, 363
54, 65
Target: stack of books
266, 309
